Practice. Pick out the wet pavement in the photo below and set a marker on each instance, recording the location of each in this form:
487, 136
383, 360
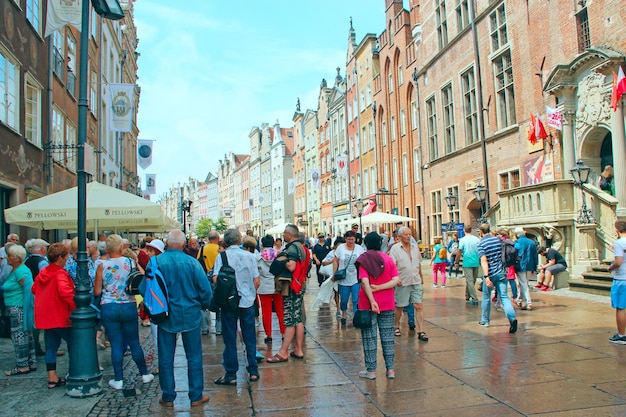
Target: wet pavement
559, 363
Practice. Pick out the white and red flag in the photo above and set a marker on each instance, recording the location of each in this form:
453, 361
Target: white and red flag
619, 87
554, 118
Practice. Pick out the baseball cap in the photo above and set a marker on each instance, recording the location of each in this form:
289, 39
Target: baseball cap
157, 244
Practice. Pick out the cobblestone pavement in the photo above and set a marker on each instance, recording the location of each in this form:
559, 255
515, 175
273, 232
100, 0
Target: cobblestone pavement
559, 363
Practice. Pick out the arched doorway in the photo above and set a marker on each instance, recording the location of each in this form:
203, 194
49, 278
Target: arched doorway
606, 151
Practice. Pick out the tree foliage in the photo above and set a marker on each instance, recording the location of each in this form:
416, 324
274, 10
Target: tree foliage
205, 225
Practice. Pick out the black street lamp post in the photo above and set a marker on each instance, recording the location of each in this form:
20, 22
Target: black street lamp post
481, 193
186, 209
84, 372
451, 200
359, 209
580, 173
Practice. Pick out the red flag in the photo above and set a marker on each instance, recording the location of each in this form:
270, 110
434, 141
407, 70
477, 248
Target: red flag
532, 136
540, 131
619, 87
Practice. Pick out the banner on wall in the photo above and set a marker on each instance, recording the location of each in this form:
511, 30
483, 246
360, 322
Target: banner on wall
144, 153
60, 13
342, 166
151, 183
120, 107
291, 186
315, 179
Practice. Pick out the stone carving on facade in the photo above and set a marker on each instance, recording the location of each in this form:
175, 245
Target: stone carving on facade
23, 164
593, 102
552, 233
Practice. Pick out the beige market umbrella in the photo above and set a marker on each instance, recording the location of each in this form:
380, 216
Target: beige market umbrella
379, 217
279, 228
107, 209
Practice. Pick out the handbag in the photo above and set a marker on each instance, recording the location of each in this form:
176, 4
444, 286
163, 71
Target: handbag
362, 319
134, 279
340, 274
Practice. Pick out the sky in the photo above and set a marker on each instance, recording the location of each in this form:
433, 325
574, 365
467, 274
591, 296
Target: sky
211, 70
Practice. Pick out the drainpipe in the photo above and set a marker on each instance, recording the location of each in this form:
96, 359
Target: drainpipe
48, 156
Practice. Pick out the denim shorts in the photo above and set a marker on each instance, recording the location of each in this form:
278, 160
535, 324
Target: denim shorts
618, 294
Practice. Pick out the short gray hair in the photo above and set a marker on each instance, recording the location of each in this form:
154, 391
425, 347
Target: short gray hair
17, 250
36, 244
232, 237
176, 238
213, 234
403, 228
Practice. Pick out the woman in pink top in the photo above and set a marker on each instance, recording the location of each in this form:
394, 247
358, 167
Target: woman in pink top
379, 276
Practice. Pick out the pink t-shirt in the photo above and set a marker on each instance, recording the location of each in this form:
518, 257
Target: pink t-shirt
384, 298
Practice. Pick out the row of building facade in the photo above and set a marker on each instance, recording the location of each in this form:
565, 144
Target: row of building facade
39, 92
436, 104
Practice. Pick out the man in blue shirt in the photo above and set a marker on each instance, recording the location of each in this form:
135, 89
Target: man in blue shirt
490, 253
189, 293
468, 251
527, 256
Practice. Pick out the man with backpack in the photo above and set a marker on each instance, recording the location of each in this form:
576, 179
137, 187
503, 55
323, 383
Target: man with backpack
295, 268
189, 292
242, 264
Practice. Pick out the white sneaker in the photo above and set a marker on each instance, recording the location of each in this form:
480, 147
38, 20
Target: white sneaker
147, 378
116, 384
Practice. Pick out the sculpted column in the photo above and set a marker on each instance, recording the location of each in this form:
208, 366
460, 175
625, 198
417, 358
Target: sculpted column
619, 157
568, 143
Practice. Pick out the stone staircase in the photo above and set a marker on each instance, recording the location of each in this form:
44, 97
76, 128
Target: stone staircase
598, 280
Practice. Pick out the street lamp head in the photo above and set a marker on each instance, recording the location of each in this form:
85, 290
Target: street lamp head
451, 200
109, 9
383, 190
480, 193
580, 173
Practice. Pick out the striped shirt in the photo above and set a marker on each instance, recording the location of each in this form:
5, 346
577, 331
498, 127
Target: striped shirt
491, 247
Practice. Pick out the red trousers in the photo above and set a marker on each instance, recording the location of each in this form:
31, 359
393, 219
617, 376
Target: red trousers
266, 312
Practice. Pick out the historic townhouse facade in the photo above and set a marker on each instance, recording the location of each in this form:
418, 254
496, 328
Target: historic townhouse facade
297, 187
281, 157
311, 167
255, 137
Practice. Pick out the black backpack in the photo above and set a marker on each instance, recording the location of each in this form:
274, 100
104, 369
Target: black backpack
226, 296
509, 254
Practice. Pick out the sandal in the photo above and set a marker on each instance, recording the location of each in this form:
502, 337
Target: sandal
276, 359
253, 378
226, 380
397, 332
422, 336
293, 355
61, 382
16, 371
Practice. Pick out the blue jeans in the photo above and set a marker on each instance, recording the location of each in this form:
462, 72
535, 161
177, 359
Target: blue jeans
192, 342
120, 322
501, 283
229, 334
410, 313
345, 291
53, 341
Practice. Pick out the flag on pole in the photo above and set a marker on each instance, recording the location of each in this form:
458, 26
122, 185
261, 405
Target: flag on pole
536, 130
145, 153
342, 166
619, 88
151, 183
120, 105
532, 137
554, 118
60, 13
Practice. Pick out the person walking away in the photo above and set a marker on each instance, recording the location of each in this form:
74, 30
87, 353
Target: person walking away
36, 261
379, 277
490, 253
556, 263
527, 267
618, 289
18, 300
292, 302
247, 275
119, 311
267, 290
468, 251
408, 261
207, 255
510, 261
189, 292
54, 302
345, 257
439, 262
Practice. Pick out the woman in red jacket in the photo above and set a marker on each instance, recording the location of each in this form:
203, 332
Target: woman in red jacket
54, 301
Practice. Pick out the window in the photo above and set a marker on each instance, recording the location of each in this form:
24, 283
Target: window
462, 14
393, 128
505, 96
33, 112
349, 111
70, 141
370, 126
416, 165
366, 182
448, 118
9, 96
582, 29
58, 129
413, 115
71, 65
93, 24
358, 185
400, 79
33, 14
386, 176
362, 100
364, 138
435, 211
357, 145
405, 170
402, 122
394, 167
374, 179
497, 19
431, 114
368, 94
509, 180
355, 106
58, 63
468, 87
390, 83
442, 23
455, 213
383, 132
